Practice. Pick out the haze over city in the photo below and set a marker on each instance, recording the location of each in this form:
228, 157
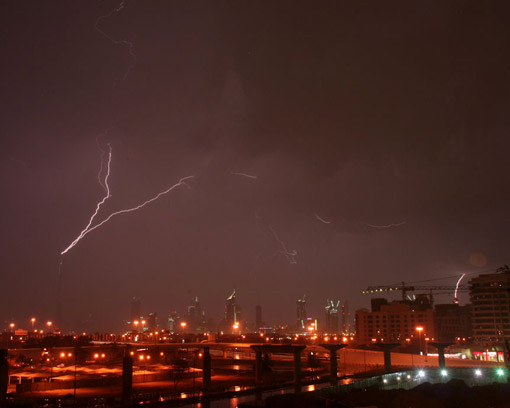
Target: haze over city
332, 148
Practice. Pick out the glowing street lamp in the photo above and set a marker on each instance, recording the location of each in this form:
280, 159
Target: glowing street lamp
183, 326
32, 320
419, 329
12, 325
49, 324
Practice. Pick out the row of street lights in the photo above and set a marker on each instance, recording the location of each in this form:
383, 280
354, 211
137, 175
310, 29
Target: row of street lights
49, 324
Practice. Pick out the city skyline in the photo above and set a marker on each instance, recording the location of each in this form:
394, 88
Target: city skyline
331, 149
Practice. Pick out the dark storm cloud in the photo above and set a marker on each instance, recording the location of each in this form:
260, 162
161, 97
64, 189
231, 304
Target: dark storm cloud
364, 114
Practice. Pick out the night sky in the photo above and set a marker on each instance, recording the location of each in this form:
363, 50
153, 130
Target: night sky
362, 114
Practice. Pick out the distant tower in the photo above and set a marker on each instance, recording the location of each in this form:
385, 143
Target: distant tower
173, 322
258, 317
152, 321
232, 311
346, 318
195, 315
301, 313
332, 317
136, 309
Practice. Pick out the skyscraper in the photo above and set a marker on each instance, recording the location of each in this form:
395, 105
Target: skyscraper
346, 318
173, 322
490, 306
301, 313
232, 311
196, 318
331, 325
152, 321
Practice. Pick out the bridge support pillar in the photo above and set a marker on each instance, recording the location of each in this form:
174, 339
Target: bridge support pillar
206, 369
297, 368
386, 348
258, 366
4, 374
440, 353
127, 377
333, 358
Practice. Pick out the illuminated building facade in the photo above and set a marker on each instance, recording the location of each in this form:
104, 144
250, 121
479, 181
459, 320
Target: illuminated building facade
232, 311
331, 321
490, 307
395, 322
174, 321
301, 314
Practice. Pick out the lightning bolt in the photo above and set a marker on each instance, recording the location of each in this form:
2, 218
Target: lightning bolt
290, 255
322, 219
127, 44
387, 226
89, 228
103, 153
105, 185
457, 287
245, 175
101, 182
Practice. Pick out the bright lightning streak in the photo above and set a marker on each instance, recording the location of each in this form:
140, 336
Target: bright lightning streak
125, 43
322, 219
387, 226
457, 286
99, 174
182, 182
245, 175
290, 255
105, 185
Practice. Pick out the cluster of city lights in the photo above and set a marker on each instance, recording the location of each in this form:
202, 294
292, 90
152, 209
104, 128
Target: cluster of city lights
49, 324
421, 374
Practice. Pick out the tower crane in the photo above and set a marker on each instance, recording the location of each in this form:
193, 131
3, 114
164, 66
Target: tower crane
404, 288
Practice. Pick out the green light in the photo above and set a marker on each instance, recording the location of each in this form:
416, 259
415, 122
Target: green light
500, 371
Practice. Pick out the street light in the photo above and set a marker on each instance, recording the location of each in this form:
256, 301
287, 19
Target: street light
12, 325
419, 329
32, 320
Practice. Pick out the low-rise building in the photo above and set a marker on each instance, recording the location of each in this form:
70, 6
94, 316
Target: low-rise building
395, 322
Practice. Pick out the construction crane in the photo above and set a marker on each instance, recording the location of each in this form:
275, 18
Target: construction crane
411, 288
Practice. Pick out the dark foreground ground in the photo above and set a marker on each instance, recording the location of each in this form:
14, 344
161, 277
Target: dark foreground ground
454, 394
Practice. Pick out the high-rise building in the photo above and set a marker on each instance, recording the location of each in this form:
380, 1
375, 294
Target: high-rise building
490, 306
136, 309
346, 319
152, 321
331, 322
453, 321
232, 311
196, 319
258, 317
301, 313
173, 322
